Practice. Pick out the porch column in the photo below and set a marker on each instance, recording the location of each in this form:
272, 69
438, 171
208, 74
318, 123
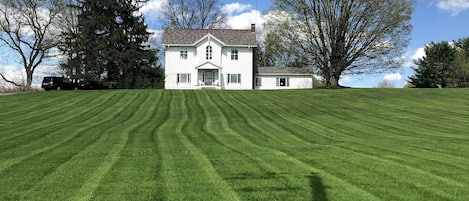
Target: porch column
220, 78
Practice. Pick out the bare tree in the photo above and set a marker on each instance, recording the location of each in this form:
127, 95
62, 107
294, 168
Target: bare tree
281, 47
349, 36
385, 84
193, 14
27, 28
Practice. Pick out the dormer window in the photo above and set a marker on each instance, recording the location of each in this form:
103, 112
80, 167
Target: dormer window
208, 52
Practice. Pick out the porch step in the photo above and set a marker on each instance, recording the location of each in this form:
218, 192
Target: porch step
208, 88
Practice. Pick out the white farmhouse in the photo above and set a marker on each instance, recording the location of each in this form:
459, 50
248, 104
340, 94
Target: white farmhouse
222, 59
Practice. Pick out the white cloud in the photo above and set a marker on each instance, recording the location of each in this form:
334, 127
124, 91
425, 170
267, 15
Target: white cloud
152, 8
345, 80
13, 73
454, 6
413, 55
393, 77
155, 37
244, 20
231, 8
418, 54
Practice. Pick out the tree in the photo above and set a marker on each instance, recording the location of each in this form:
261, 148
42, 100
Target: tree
28, 28
193, 14
281, 49
433, 70
385, 84
349, 36
460, 71
110, 46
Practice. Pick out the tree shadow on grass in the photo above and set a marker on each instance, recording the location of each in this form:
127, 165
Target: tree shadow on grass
318, 190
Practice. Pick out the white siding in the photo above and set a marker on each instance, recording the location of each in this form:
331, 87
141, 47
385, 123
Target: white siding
296, 82
221, 60
241, 66
174, 65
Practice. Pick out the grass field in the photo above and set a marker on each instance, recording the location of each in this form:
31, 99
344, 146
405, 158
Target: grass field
354, 144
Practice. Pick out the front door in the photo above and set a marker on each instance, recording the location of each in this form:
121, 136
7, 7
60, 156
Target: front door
208, 78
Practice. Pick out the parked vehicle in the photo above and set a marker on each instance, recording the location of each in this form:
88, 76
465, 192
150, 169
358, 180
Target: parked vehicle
56, 83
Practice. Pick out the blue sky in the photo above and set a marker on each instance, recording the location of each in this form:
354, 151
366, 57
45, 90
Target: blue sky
432, 20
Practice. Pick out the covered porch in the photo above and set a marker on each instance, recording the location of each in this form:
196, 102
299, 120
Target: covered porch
209, 76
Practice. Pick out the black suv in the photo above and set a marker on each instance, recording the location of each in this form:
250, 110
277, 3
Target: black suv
55, 83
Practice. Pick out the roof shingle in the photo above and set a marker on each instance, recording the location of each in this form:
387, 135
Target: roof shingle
227, 36
287, 70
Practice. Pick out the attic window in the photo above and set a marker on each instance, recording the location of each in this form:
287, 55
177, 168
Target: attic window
208, 52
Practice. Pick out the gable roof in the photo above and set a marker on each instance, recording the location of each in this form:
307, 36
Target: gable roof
227, 36
284, 71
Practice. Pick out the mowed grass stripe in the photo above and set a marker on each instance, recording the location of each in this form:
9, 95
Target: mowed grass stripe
28, 102
251, 176
39, 118
254, 178
95, 158
443, 179
184, 166
287, 187
306, 145
431, 119
134, 176
64, 118
378, 133
364, 130
296, 167
351, 127
117, 136
258, 145
356, 129
39, 141
27, 174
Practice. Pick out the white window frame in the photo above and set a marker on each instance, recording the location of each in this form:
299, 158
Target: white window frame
234, 78
183, 78
208, 52
183, 54
286, 82
234, 54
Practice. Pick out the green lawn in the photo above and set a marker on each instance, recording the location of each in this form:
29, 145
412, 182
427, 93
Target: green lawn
353, 144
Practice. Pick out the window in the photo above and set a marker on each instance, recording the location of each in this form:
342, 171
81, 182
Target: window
208, 52
234, 54
183, 54
283, 82
184, 77
258, 82
234, 78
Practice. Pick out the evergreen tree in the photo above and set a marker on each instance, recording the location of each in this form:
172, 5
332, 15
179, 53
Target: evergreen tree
434, 68
460, 73
110, 46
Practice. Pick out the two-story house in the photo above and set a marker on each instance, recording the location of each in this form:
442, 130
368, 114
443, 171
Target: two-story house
222, 59
209, 58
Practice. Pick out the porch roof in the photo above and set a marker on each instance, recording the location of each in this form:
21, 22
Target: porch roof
208, 66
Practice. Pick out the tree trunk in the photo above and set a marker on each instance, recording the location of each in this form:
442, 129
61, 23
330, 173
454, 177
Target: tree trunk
332, 82
335, 82
29, 79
